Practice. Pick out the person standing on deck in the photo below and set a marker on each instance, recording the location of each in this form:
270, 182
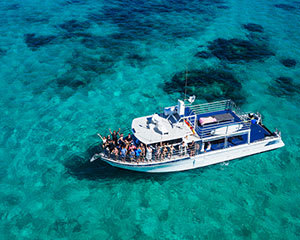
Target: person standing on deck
104, 143
172, 151
132, 146
114, 135
207, 147
129, 139
156, 152
123, 153
197, 148
149, 153
104, 140
111, 144
137, 154
121, 140
143, 154
164, 152
182, 149
115, 153
192, 148
132, 154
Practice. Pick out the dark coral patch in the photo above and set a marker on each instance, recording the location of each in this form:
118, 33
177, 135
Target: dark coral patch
74, 29
83, 63
223, 7
285, 6
71, 2
2, 52
203, 54
75, 35
141, 21
114, 44
75, 1
210, 84
75, 26
98, 18
253, 27
10, 200
288, 62
136, 57
70, 81
92, 42
137, 60
235, 50
37, 19
257, 37
34, 42
284, 86
123, 36
217, 1
14, 6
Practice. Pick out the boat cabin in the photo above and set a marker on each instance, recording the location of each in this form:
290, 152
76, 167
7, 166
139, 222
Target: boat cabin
220, 124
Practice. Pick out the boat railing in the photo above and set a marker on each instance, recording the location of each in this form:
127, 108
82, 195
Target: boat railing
160, 155
215, 107
157, 155
208, 131
191, 121
212, 107
242, 115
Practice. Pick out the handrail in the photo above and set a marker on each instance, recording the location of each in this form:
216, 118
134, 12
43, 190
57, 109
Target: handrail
165, 158
211, 103
211, 107
157, 155
192, 125
205, 132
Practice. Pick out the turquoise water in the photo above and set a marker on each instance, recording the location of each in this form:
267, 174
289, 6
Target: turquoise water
72, 68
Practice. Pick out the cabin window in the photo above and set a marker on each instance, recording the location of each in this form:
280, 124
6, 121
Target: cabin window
272, 142
218, 144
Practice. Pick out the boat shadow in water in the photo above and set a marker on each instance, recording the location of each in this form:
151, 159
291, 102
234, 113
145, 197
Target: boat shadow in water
79, 166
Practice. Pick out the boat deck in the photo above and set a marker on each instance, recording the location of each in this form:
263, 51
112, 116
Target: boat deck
258, 132
224, 118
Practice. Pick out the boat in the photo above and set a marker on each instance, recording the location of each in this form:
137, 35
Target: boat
188, 136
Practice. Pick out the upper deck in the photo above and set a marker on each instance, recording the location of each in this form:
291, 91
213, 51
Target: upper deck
191, 122
219, 123
149, 133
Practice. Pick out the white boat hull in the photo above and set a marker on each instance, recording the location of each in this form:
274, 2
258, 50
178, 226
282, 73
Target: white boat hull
201, 160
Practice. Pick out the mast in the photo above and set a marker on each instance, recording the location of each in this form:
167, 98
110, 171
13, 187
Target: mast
185, 88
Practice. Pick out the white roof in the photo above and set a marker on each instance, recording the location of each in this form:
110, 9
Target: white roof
159, 129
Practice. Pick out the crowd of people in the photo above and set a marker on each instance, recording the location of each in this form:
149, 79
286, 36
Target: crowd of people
118, 147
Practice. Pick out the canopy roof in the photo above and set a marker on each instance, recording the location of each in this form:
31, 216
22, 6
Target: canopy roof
154, 129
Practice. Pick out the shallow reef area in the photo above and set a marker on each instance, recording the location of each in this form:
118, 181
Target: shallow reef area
210, 84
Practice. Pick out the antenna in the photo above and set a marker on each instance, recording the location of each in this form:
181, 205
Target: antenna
185, 88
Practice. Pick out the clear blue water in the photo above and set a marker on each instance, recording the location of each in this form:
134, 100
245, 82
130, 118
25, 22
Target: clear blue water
72, 68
